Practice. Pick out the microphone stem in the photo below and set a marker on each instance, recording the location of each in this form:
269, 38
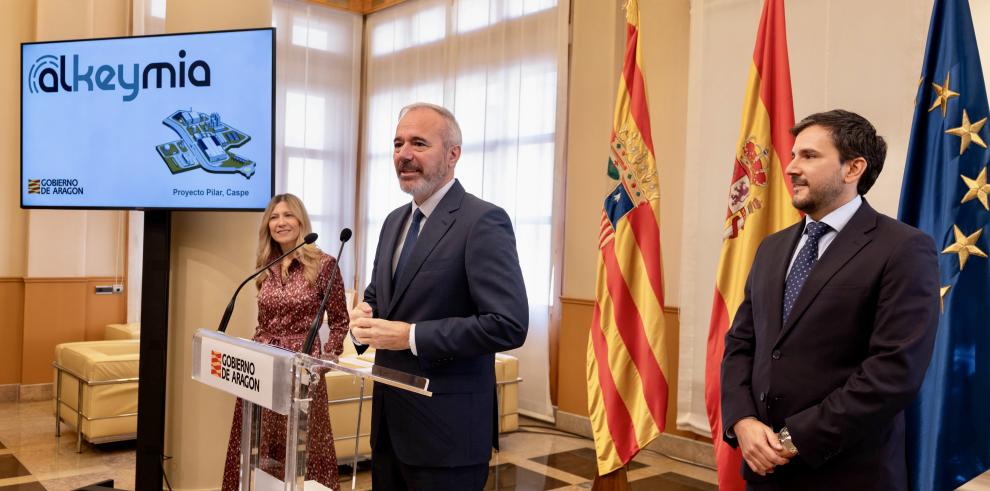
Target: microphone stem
315, 328
230, 306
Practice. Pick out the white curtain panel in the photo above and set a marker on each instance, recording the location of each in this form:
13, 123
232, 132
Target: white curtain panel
147, 17
318, 83
497, 65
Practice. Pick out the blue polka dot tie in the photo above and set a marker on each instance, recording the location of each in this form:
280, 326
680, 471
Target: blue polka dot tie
805, 260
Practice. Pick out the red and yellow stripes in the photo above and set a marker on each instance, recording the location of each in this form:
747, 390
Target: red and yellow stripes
627, 382
760, 196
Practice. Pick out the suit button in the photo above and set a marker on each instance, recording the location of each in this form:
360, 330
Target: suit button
776, 354
763, 396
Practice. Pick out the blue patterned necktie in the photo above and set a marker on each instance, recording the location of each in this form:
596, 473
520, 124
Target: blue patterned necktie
409, 243
805, 260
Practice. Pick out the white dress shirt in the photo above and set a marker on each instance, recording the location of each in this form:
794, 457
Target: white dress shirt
426, 209
837, 220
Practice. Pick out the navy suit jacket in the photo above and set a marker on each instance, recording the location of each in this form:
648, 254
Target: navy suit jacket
851, 356
463, 288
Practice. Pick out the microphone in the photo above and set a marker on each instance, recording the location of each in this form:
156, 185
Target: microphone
345, 235
309, 239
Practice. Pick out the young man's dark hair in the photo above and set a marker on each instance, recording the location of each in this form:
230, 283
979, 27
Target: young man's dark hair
853, 136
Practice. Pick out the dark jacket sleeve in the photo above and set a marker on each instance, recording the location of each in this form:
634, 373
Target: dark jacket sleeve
369, 294
737, 365
900, 349
496, 286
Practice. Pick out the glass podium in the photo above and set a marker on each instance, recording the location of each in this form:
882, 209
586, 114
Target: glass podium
274, 386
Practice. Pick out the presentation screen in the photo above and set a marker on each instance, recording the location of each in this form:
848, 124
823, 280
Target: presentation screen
180, 121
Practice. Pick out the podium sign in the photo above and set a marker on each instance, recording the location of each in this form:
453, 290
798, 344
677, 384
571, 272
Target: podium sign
243, 368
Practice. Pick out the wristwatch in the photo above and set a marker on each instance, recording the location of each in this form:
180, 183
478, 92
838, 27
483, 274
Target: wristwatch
785, 440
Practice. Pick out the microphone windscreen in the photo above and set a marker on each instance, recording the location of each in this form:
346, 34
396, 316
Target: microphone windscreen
310, 238
345, 235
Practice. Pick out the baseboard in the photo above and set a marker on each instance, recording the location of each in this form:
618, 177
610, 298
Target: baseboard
573, 423
9, 392
36, 392
676, 447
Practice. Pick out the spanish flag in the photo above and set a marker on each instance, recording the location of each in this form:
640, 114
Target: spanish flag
759, 205
627, 382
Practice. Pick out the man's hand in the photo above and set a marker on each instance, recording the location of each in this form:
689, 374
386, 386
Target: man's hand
360, 311
759, 446
380, 333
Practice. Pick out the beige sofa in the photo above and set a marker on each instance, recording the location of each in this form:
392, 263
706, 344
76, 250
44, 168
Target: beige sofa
122, 331
343, 391
104, 376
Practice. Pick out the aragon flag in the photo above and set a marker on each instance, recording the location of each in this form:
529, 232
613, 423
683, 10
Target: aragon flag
627, 369
759, 205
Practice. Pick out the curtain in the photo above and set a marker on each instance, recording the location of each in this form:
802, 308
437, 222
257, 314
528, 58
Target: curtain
497, 64
148, 17
318, 81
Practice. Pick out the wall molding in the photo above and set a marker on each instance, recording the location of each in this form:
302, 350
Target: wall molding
9, 392
72, 279
11, 279
363, 7
36, 392
591, 303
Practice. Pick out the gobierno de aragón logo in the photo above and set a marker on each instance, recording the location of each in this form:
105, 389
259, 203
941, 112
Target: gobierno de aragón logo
52, 74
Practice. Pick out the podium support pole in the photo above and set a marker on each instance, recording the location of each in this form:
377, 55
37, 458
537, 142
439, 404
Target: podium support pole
357, 437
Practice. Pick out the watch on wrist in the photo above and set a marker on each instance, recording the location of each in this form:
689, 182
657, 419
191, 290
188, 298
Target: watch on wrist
785, 441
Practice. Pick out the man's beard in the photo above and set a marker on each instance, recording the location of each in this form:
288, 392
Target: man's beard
817, 199
427, 184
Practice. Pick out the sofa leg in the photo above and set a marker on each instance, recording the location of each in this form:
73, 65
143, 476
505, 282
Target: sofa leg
58, 403
79, 402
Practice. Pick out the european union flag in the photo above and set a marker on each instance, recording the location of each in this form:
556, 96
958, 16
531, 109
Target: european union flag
945, 194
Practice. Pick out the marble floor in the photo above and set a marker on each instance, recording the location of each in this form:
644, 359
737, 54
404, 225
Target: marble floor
536, 457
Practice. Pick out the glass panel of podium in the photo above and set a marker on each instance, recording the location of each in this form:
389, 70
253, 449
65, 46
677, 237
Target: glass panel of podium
277, 388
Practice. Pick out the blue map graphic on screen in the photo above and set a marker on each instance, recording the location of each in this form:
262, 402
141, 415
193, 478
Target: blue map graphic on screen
205, 142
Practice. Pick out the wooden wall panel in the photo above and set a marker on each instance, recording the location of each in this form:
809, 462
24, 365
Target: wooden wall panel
62, 310
11, 329
575, 321
571, 387
103, 309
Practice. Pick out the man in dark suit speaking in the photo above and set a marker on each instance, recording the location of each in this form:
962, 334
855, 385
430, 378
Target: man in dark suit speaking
445, 295
836, 330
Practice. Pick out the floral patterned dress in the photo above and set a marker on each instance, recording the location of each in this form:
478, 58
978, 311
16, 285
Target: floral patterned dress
286, 309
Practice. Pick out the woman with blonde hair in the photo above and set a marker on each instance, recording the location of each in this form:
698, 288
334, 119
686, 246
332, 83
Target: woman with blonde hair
289, 294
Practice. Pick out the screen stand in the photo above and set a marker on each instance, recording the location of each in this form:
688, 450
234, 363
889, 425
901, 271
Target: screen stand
154, 345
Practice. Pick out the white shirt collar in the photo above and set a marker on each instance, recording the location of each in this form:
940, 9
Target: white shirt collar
431, 203
840, 216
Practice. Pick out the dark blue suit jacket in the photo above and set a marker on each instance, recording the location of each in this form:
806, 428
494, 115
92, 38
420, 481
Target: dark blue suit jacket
463, 288
851, 356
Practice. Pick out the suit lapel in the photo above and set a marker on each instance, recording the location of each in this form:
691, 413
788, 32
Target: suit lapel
436, 227
778, 274
390, 240
853, 237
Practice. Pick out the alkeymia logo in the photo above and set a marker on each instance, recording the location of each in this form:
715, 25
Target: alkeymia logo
50, 74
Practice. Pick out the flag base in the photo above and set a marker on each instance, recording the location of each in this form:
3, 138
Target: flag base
616, 480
